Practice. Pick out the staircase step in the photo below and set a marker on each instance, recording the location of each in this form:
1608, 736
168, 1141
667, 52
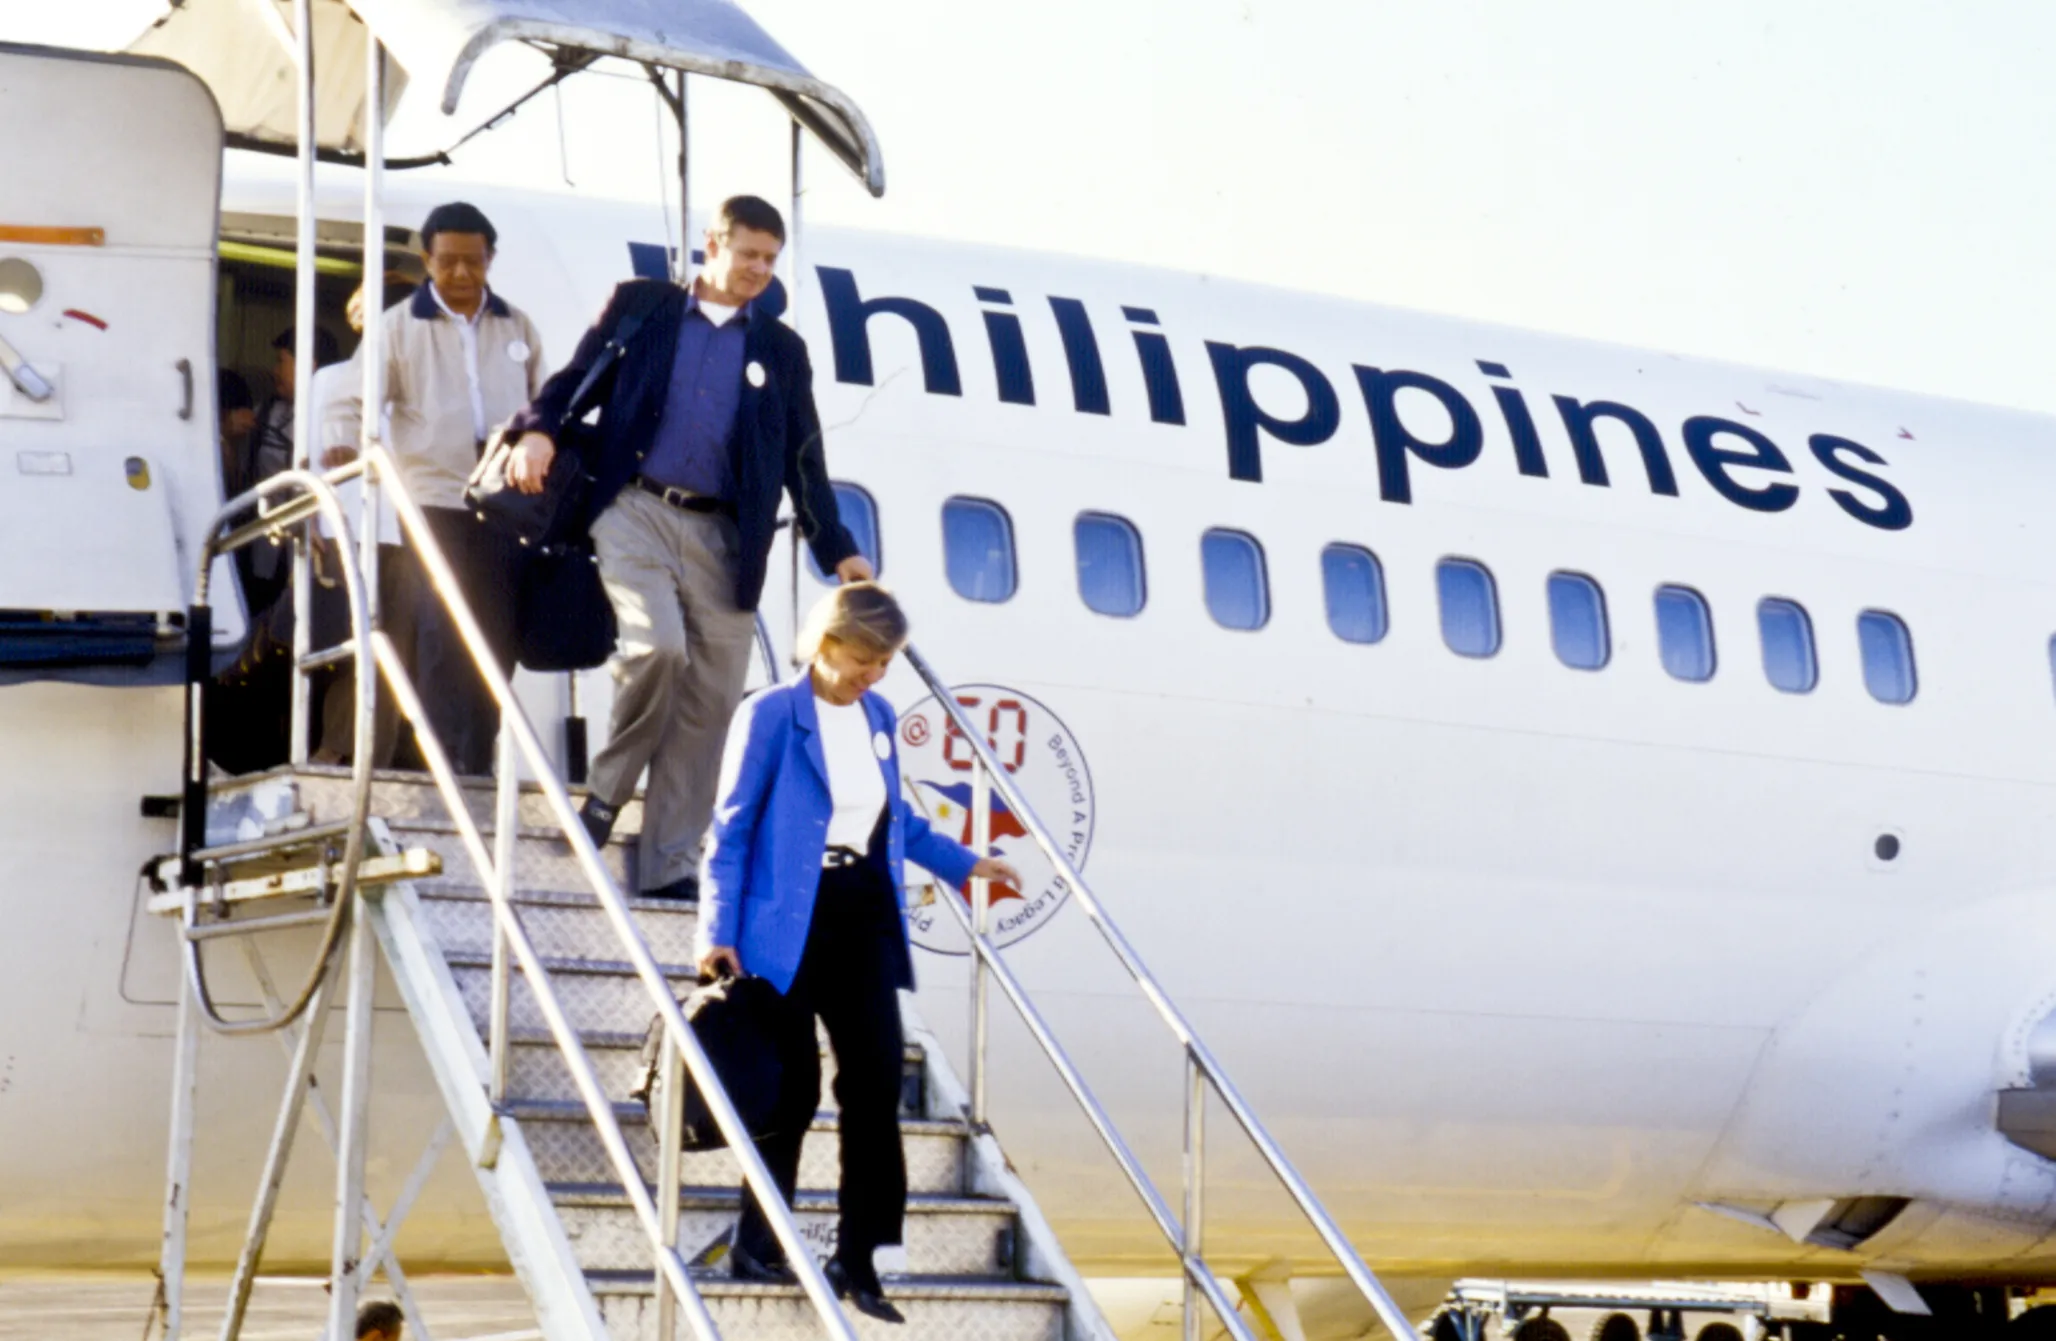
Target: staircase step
543, 860
564, 925
595, 993
951, 1308
568, 1150
401, 798
539, 1072
946, 1235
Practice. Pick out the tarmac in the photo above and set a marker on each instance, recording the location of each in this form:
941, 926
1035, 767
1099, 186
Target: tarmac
282, 1308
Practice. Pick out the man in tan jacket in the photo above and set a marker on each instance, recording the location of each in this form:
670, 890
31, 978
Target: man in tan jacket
459, 361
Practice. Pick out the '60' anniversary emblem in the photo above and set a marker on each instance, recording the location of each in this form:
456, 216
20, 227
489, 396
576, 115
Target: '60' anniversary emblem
1042, 758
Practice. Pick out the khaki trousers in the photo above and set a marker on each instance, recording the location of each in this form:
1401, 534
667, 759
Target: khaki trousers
679, 668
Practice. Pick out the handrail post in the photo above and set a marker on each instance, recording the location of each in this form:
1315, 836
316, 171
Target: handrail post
670, 1159
506, 820
981, 915
1195, 1186
352, 1122
299, 555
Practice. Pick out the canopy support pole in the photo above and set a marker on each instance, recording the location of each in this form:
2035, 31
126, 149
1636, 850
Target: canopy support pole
683, 268
792, 227
303, 375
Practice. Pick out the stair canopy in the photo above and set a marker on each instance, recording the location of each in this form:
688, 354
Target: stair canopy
244, 50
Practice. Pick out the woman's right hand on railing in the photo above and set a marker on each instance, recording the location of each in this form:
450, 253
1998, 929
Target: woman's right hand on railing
721, 962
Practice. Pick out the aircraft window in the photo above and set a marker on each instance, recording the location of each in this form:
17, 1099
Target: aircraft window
1110, 576
21, 285
1577, 621
1470, 607
1684, 633
1787, 645
860, 519
1355, 586
1887, 656
978, 549
1237, 593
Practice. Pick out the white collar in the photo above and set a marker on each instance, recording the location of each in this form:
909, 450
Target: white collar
451, 312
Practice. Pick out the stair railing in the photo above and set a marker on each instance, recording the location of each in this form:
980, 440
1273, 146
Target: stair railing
520, 747
308, 495
1203, 1071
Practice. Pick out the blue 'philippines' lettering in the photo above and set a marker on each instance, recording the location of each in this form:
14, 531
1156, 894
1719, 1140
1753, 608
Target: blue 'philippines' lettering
1739, 462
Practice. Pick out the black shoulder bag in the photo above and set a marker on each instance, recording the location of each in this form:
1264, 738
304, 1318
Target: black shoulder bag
563, 619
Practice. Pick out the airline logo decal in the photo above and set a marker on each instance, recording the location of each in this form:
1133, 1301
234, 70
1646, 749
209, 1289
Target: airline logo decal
1042, 757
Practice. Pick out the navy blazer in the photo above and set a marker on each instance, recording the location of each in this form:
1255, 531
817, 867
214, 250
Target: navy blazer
771, 829
776, 443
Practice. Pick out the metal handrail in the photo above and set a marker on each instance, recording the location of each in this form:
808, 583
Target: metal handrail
305, 495
1203, 1069
521, 745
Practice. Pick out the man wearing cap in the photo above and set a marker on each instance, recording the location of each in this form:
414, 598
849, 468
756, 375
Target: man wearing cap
460, 360
708, 417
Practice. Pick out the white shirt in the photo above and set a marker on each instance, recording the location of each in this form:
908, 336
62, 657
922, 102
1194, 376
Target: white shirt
330, 387
467, 330
718, 313
854, 782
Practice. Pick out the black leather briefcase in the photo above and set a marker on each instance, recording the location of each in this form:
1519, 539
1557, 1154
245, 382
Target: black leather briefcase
736, 1022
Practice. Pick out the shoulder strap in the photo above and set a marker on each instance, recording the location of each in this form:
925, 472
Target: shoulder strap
618, 345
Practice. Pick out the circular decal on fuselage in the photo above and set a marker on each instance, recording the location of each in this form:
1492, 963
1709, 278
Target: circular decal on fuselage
1043, 760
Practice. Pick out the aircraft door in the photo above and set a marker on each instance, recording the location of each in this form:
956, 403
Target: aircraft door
109, 457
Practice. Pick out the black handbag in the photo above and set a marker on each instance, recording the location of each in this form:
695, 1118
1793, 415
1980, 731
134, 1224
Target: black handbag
563, 617
557, 515
736, 1022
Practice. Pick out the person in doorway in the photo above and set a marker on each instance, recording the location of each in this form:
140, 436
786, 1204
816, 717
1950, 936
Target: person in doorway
267, 449
709, 414
397, 597
380, 1320
804, 889
460, 359
238, 417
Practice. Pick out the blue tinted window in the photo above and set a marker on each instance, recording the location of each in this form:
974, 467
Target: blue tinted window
1355, 587
860, 519
978, 549
1237, 594
1110, 577
1887, 656
1684, 633
1470, 607
1577, 621
1787, 645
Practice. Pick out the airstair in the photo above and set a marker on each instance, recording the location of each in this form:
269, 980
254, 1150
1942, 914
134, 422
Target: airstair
530, 980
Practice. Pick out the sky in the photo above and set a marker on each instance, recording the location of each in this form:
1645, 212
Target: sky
1855, 189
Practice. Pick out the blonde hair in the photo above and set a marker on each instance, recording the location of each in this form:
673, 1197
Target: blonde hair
862, 613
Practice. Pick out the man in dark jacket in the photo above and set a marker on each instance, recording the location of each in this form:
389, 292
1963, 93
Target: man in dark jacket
709, 415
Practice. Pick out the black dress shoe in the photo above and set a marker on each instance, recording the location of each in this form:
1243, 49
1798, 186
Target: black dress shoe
868, 1295
598, 818
685, 889
747, 1266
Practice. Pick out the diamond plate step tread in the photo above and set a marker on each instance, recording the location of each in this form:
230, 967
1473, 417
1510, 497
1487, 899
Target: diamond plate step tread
567, 1150
561, 925
538, 1070
630, 1113
543, 859
945, 1309
401, 797
595, 994
945, 1235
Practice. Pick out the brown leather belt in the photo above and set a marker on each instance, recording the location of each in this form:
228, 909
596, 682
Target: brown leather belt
685, 500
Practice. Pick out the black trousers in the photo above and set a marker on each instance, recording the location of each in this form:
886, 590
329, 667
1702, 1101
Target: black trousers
488, 569
849, 977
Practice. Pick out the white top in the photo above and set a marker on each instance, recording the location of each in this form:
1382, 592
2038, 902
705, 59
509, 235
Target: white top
718, 313
854, 782
330, 387
467, 329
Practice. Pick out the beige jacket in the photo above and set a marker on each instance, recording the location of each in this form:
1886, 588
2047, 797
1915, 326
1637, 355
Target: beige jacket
435, 428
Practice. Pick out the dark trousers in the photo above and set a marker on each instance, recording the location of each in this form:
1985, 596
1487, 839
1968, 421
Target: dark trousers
848, 976
488, 568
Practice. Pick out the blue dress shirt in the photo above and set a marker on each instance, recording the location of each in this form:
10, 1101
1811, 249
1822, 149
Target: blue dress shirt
691, 447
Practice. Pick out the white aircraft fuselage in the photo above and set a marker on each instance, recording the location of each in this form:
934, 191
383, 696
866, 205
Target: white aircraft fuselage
1525, 964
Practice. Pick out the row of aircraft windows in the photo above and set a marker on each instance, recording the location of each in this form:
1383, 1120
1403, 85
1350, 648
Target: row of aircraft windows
978, 550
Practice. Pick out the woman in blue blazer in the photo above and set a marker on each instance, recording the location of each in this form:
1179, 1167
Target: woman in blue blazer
803, 887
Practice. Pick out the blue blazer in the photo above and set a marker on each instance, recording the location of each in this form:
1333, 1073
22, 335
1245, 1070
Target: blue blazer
771, 830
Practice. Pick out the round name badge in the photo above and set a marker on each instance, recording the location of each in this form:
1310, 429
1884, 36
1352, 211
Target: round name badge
881, 744
518, 350
754, 374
